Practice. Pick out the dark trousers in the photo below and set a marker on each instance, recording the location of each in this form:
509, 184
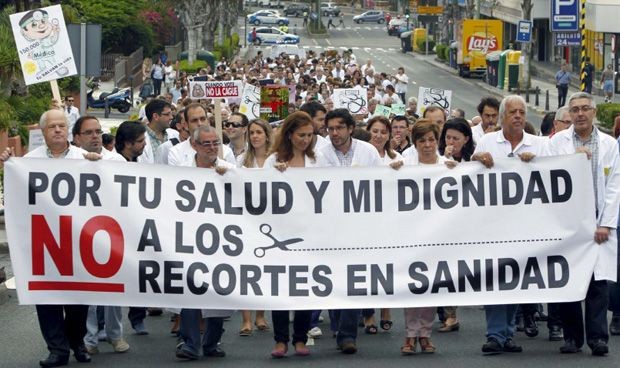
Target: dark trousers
562, 92
190, 331
301, 325
402, 97
136, 315
63, 327
314, 319
346, 320
157, 86
614, 288
595, 316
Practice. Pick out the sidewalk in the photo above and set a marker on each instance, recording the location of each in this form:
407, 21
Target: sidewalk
545, 80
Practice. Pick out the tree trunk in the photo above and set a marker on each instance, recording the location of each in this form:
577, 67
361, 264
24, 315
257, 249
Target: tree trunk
191, 46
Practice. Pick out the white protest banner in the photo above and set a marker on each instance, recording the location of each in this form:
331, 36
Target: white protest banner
353, 99
382, 110
250, 101
126, 234
219, 89
433, 96
398, 109
43, 44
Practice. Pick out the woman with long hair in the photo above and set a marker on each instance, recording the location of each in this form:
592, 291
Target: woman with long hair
456, 140
293, 148
259, 137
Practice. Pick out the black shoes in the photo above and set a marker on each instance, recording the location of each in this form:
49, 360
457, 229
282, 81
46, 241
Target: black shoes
54, 360
492, 347
614, 326
215, 353
600, 348
529, 326
81, 355
511, 347
570, 347
348, 348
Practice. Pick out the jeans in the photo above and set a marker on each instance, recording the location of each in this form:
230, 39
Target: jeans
190, 331
595, 316
562, 92
301, 325
346, 320
500, 321
314, 319
136, 315
113, 325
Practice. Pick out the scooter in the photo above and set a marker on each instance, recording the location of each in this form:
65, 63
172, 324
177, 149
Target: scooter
119, 99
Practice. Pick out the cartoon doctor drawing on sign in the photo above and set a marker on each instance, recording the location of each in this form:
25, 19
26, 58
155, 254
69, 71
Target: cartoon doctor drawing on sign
42, 34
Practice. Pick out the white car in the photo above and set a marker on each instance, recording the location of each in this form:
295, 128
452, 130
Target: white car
266, 17
271, 35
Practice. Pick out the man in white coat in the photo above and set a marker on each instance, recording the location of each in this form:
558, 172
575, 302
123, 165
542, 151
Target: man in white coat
344, 150
602, 151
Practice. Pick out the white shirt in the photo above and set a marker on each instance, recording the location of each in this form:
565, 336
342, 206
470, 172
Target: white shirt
387, 160
319, 161
477, 133
364, 154
183, 152
414, 160
111, 156
72, 117
41, 152
338, 73
496, 144
320, 142
401, 83
394, 99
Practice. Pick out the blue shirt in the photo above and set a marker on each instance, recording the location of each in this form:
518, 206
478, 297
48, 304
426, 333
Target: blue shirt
562, 78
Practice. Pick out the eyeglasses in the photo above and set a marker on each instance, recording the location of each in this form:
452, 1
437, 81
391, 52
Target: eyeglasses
166, 113
584, 109
336, 128
565, 121
511, 154
230, 124
70, 100
92, 132
208, 144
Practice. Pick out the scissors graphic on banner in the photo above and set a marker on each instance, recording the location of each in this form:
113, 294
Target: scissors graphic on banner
266, 230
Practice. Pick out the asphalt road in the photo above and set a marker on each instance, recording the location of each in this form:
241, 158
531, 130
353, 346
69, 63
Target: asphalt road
371, 41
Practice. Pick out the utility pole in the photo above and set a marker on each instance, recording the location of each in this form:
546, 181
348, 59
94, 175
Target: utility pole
526, 7
477, 11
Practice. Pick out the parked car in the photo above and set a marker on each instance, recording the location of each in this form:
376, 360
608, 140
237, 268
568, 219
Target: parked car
270, 3
395, 24
330, 8
266, 17
371, 16
272, 35
296, 9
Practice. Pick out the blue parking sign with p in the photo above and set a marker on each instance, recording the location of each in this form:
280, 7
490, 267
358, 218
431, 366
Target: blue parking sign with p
564, 15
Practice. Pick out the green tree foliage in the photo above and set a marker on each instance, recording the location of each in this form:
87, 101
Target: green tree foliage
606, 112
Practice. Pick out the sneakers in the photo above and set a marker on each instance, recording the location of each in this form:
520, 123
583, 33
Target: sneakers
120, 345
315, 332
570, 347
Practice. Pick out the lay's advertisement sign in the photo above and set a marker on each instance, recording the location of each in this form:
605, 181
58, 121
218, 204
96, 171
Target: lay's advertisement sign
479, 37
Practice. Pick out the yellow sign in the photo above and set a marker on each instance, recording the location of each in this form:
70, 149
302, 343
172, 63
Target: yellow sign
430, 10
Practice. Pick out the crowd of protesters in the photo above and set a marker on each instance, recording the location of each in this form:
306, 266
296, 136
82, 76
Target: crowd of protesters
176, 130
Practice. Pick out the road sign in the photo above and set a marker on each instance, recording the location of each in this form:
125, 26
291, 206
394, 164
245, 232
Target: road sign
430, 10
564, 15
525, 31
567, 39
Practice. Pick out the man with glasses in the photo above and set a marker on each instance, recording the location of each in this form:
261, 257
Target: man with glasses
510, 141
159, 114
88, 135
235, 131
400, 134
562, 120
343, 151
602, 152
206, 144
72, 114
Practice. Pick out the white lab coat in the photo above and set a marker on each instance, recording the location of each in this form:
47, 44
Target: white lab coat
365, 154
608, 195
